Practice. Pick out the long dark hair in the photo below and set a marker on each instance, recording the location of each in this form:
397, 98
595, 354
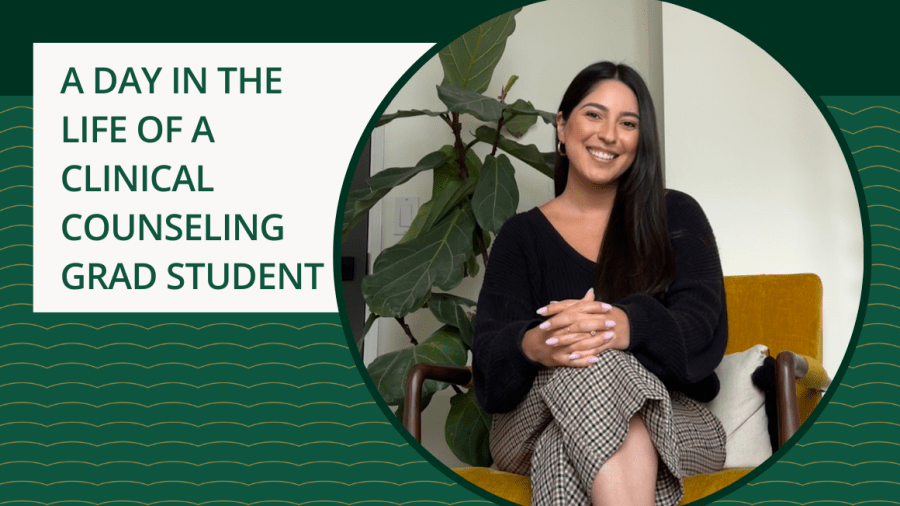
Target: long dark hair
636, 254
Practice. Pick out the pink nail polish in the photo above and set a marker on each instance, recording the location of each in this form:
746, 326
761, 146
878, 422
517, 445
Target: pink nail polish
610, 323
542, 310
608, 335
574, 356
606, 306
552, 341
544, 326
593, 360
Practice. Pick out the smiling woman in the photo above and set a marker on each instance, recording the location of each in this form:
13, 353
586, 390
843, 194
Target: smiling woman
589, 423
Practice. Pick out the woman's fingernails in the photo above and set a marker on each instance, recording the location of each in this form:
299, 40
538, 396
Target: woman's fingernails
552, 341
608, 335
542, 310
544, 326
590, 291
610, 323
606, 306
593, 360
574, 356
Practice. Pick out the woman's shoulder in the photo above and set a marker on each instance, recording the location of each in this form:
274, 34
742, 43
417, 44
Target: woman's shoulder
526, 224
680, 206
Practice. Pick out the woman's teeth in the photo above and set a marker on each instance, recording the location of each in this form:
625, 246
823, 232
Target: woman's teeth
601, 155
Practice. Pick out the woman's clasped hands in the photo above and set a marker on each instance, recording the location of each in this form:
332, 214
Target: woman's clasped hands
576, 332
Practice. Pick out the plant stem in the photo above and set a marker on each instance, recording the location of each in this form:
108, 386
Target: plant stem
458, 144
456, 388
497, 138
479, 238
406, 329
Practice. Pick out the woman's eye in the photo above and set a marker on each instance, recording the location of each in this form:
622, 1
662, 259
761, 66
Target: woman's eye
592, 114
629, 124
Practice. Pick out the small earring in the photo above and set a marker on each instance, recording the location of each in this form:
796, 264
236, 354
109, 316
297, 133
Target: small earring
560, 148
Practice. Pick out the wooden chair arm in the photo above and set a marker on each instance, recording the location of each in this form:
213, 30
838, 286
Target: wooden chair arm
412, 403
789, 367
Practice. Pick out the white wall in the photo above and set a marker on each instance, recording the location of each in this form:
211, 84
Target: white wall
553, 41
749, 144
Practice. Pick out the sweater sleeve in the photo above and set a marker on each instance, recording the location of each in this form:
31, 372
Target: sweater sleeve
681, 337
506, 310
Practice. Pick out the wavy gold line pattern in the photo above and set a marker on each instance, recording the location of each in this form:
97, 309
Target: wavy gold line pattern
184, 404
215, 462
15, 147
882, 205
854, 406
856, 132
836, 462
232, 482
804, 503
886, 265
878, 344
17, 205
878, 166
15, 127
870, 383
17, 284
875, 147
863, 110
17, 167
261, 502
165, 324
15, 265
14, 226
185, 384
174, 344
15, 246
848, 444
885, 284
15, 304
17, 107
398, 445
879, 323
888, 245
881, 185
175, 363
874, 363
887, 226
193, 425
856, 425
816, 482
883, 304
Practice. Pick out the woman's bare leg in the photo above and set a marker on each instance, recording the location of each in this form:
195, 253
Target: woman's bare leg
628, 478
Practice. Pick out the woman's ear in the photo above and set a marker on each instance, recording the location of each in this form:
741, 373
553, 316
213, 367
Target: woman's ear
560, 127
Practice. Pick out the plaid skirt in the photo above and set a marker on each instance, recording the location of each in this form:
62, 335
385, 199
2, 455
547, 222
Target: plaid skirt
573, 419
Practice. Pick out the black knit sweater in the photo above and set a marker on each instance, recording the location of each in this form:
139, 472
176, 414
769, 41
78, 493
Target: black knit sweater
679, 336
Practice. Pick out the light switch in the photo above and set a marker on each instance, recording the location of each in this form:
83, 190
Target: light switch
406, 209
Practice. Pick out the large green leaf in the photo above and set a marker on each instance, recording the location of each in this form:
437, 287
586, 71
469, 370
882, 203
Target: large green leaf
418, 224
469, 61
447, 309
528, 154
497, 195
360, 201
405, 273
387, 118
516, 123
467, 430
524, 108
389, 371
476, 104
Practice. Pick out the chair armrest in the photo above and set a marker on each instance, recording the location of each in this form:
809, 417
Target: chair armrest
412, 403
789, 367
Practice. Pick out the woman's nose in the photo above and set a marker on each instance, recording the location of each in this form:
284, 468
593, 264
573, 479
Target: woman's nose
606, 131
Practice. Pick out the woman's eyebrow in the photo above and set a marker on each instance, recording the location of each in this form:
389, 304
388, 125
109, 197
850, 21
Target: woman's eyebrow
606, 109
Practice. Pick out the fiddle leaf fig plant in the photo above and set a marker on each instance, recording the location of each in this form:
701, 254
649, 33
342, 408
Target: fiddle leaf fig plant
472, 196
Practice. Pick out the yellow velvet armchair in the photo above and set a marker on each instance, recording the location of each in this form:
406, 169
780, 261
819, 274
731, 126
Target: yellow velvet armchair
783, 312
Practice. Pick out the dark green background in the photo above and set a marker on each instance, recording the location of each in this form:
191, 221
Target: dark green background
842, 54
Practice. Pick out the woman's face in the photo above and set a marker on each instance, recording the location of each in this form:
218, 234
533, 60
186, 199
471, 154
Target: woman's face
601, 134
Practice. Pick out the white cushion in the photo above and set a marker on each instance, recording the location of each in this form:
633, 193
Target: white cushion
741, 408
